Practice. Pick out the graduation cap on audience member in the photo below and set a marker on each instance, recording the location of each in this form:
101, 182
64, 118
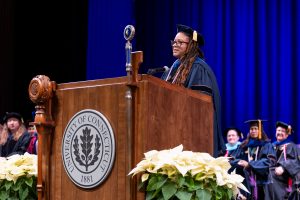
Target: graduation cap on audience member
239, 132
197, 37
285, 126
9, 115
258, 123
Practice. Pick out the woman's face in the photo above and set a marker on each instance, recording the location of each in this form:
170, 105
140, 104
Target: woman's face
281, 134
232, 137
253, 131
180, 44
13, 124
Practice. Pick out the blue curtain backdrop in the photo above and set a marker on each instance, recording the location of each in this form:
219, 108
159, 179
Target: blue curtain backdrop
252, 46
106, 46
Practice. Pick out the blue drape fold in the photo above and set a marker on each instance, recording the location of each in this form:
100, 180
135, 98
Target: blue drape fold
252, 46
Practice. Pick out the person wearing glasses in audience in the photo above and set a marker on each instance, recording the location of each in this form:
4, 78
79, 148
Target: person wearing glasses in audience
191, 71
254, 157
14, 138
285, 173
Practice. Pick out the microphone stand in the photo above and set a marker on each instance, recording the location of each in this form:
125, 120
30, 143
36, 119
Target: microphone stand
129, 32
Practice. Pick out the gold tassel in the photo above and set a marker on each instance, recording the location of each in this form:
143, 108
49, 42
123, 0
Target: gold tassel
259, 129
195, 35
289, 130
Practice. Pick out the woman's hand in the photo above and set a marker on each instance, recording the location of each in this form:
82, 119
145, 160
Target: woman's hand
243, 163
279, 171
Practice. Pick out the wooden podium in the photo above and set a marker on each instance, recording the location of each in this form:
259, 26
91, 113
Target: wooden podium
157, 115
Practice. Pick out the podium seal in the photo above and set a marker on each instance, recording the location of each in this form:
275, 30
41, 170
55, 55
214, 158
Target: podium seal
88, 148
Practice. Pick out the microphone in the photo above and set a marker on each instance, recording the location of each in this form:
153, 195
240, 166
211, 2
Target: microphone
157, 70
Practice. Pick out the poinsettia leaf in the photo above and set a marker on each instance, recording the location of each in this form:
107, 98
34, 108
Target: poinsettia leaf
4, 195
181, 180
203, 194
229, 193
8, 185
156, 182
141, 186
152, 183
168, 190
29, 181
218, 193
189, 182
23, 193
150, 195
197, 186
161, 181
17, 185
184, 195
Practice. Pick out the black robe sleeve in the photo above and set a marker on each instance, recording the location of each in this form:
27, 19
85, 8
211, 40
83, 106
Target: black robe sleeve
21, 145
202, 74
291, 164
266, 159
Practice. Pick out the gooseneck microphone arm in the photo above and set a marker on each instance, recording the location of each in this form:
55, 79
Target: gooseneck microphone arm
157, 70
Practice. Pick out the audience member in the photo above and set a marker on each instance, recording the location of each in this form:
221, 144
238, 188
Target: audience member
233, 136
254, 157
14, 138
287, 166
32, 147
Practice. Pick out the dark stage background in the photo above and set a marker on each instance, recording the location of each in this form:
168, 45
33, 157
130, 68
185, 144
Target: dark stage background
252, 46
39, 37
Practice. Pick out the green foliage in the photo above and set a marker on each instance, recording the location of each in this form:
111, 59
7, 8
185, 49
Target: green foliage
23, 188
159, 186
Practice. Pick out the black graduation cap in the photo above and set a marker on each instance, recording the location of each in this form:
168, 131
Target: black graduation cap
191, 33
11, 115
285, 126
239, 132
258, 123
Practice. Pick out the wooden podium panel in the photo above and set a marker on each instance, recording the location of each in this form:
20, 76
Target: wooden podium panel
108, 97
163, 116
168, 116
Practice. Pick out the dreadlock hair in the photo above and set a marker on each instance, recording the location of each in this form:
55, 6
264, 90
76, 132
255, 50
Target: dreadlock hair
186, 61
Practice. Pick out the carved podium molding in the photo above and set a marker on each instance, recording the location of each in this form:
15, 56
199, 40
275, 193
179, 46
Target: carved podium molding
40, 91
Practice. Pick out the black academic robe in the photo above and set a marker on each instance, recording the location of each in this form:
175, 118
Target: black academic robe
238, 170
261, 156
202, 74
12, 147
295, 193
287, 158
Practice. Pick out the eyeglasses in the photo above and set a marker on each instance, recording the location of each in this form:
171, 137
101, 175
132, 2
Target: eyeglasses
178, 43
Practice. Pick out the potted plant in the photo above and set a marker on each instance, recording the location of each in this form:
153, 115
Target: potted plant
18, 177
186, 175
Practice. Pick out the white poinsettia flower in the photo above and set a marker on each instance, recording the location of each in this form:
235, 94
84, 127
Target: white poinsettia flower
177, 149
145, 177
16, 171
13, 167
201, 166
150, 154
141, 167
2, 176
10, 177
